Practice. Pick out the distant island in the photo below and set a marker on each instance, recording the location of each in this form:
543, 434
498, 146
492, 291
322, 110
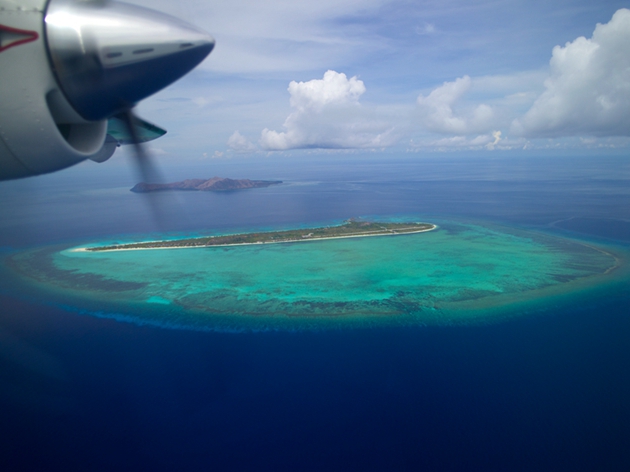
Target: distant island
215, 184
349, 229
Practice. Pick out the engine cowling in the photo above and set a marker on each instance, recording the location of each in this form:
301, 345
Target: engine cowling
66, 66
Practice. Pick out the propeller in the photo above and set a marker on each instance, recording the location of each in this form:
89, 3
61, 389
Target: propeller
146, 168
107, 56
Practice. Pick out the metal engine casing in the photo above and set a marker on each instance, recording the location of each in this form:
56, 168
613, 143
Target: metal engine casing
39, 130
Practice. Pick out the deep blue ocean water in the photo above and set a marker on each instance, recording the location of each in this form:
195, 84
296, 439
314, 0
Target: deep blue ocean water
548, 391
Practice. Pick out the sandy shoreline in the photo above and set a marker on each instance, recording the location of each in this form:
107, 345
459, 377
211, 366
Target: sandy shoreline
360, 235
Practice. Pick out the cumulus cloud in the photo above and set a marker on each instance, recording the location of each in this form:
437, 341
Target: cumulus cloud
497, 137
239, 143
588, 90
438, 114
327, 114
334, 89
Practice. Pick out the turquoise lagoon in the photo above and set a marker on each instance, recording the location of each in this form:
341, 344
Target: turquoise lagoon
460, 273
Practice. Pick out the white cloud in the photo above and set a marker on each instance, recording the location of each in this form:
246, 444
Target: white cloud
490, 141
497, 137
588, 91
239, 143
327, 114
438, 115
334, 89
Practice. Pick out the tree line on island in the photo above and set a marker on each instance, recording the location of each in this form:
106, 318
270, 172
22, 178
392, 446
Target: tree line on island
349, 229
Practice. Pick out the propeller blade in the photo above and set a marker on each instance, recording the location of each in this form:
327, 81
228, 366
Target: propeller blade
146, 169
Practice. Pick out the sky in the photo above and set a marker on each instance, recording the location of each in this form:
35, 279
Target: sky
399, 76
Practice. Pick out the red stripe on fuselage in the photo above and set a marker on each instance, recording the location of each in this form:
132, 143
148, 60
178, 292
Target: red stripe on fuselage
30, 36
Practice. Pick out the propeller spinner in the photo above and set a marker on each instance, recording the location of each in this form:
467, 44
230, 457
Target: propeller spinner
107, 56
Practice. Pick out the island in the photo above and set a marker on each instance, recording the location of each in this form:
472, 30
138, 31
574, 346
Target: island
215, 184
352, 228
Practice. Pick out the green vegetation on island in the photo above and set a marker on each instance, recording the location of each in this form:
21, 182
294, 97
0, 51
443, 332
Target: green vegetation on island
349, 229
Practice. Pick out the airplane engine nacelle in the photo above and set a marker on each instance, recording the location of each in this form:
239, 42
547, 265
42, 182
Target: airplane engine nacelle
66, 66
39, 130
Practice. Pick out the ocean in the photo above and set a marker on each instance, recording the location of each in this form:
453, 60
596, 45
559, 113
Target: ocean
545, 388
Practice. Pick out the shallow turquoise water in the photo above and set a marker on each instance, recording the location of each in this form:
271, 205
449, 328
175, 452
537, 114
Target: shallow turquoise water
457, 273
